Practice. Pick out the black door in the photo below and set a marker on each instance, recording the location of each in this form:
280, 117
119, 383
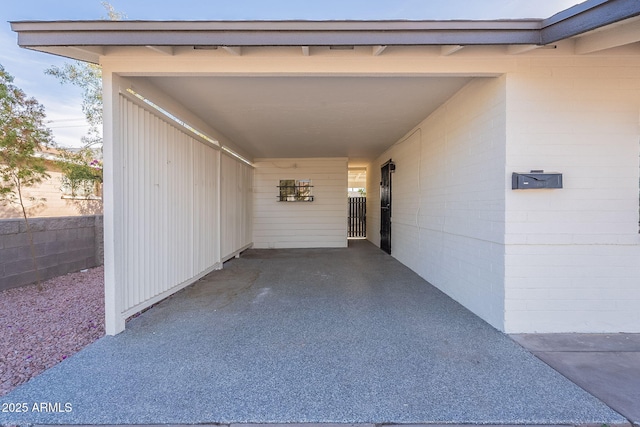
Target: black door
385, 206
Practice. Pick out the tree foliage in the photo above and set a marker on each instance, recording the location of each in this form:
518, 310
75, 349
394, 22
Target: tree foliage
82, 172
80, 176
112, 13
22, 135
88, 77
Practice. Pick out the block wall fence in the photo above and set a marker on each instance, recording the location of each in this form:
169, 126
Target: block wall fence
62, 245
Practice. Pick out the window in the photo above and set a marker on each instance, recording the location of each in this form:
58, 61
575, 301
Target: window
292, 190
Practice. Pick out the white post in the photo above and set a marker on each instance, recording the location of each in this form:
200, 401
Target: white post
114, 321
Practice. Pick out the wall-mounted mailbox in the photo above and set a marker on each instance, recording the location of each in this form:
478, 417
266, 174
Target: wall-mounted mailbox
536, 179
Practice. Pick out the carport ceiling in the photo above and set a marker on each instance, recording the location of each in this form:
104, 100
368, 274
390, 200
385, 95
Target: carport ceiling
355, 117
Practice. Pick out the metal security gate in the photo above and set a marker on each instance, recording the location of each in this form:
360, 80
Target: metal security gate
357, 217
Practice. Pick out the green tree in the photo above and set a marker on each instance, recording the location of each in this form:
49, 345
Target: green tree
81, 171
22, 134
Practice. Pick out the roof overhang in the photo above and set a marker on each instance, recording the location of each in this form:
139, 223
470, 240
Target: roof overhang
587, 16
92, 36
86, 40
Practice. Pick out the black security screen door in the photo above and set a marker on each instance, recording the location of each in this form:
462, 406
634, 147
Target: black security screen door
385, 206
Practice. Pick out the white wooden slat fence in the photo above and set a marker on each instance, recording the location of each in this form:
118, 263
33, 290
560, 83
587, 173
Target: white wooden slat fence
174, 196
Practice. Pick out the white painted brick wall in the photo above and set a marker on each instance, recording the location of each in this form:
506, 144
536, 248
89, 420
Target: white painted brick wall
321, 223
573, 255
448, 198
527, 261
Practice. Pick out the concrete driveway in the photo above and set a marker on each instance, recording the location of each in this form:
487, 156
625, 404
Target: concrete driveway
606, 365
307, 336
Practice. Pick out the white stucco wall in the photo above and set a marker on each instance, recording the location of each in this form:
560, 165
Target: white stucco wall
573, 255
448, 198
317, 224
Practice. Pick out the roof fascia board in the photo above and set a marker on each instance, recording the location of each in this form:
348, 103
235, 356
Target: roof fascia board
425, 25
624, 33
370, 33
587, 16
292, 38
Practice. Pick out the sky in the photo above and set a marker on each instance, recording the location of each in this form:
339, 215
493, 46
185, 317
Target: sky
62, 103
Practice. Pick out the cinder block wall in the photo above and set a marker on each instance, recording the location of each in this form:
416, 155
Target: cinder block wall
62, 245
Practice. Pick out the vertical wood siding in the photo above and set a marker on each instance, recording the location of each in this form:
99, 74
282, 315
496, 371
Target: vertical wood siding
236, 193
167, 215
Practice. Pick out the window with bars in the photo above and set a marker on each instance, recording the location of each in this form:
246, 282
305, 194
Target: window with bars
295, 190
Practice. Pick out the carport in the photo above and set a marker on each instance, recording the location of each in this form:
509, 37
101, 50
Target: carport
205, 121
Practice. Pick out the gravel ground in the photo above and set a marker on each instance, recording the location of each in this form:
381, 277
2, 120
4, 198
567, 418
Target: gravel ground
40, 329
